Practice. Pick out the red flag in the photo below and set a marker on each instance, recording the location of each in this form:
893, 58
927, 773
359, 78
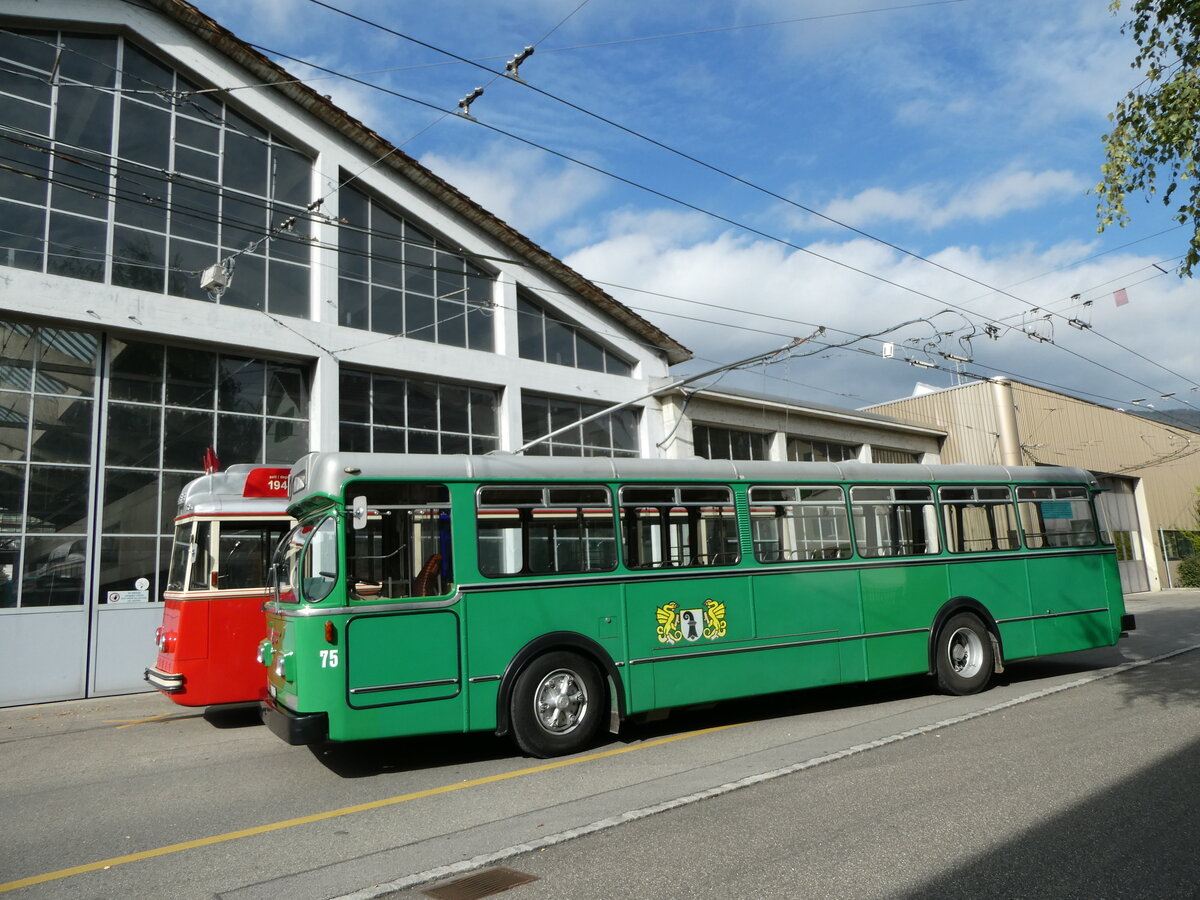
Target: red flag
211, 463
1120, 297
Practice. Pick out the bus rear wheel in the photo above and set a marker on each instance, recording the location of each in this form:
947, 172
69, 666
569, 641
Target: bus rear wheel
963, 655
557, 705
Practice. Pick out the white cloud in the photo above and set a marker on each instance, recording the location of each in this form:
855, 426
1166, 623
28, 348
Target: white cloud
523, 187
934, 206
749, 295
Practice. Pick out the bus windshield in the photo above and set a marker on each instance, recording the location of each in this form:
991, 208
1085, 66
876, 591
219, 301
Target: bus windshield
307, 558
182, 552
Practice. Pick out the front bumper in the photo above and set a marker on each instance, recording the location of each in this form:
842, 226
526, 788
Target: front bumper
167, 682
294, 728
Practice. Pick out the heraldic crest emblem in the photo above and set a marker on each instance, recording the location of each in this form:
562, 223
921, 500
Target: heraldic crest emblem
675, 624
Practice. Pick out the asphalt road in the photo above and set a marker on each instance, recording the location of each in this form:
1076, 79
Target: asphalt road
1089, 793
1074, 776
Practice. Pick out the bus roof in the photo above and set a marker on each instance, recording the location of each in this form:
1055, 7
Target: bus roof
242, 489
324, 473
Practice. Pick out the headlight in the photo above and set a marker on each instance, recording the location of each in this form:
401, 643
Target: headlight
281, 665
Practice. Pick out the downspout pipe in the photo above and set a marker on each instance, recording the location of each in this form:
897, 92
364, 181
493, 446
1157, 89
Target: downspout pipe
1006, 421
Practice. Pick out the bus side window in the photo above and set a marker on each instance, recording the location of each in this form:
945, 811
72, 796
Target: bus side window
403, 550
545, 530
1057, 517
894, 521
679, 527
244, 553
978, 519
804, 523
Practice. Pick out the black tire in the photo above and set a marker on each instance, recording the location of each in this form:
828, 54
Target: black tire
963, 655
558, 705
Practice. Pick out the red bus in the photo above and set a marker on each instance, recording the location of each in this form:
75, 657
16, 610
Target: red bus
225, 534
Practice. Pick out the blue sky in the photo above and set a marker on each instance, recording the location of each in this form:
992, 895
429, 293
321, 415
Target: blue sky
965, 132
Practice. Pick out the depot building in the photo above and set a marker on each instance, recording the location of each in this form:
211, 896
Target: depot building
253, 271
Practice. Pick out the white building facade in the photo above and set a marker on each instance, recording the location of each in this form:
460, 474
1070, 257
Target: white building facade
394, 315
724, 424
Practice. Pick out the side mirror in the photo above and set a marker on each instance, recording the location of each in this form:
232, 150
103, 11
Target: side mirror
358, 513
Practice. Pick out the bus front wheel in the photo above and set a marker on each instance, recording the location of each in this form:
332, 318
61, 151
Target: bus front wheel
557, 705
964, 660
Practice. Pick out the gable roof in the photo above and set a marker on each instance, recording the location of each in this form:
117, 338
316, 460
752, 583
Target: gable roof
811, 408
321, 107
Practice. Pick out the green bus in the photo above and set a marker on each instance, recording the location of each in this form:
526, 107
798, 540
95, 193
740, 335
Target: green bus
547, 598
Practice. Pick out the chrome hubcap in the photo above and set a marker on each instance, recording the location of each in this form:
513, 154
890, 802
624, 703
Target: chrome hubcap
560, 701
965, 651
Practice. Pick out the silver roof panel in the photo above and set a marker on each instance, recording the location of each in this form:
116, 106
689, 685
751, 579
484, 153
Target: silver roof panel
221, 492
325, 472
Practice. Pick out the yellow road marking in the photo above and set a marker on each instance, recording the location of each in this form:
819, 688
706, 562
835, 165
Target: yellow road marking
344, 811
129, 722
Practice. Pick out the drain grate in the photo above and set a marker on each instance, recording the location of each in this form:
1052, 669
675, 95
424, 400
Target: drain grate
479, 884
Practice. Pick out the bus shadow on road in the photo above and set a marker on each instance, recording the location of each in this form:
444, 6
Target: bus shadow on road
765, 707
1029, 671
241, 715
367, 759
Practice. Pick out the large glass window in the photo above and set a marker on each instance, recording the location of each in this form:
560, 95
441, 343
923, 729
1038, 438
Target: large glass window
894, 521
175, 179
386, 413
1176, 544
166, 407
1057, 517
979, 519
676, 527
799, 523
545, 530
47, 422
711, 442
615, 434
814, 450
395, 278
548, 338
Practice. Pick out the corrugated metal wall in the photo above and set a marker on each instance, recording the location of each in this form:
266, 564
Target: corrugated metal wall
965, 413
1056, 429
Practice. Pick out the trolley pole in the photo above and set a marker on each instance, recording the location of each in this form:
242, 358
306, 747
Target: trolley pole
748, 361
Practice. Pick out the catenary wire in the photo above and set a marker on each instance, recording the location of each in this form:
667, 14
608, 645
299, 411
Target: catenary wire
763, 234
725, 173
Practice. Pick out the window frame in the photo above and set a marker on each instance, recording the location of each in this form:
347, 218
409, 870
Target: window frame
668, 537
545, 500
929, 517
955, 536
845, 549
1057, 494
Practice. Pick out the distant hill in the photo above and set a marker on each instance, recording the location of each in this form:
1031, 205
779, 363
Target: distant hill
1179, 418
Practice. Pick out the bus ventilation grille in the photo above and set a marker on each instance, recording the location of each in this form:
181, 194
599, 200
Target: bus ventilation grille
479, 884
